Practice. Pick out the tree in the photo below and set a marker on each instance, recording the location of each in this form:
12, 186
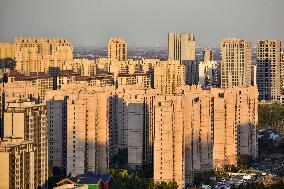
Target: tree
170, 185
124, 179
271, 116
244, 161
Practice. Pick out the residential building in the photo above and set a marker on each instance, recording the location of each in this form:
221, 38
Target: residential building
17, 163
57, 134
139, 79
38, 54
207, 55
236, 57
181, 46
40, 80
282, 72
191, 71
208, 74
117, 49
193, 131
28, 120
168, 76
78, 118
84, 67
269, 69
131, 123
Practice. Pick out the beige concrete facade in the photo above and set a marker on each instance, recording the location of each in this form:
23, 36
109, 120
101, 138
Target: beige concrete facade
194, 132
57, 129
84, 67
87, 132
40, 80
207, 55
139, 79
282, 72
131, 123
117, 49
19, 91
269, 69
168, 76
181, 46
17, 163
6, 51
28, 121
38, 54
236, 57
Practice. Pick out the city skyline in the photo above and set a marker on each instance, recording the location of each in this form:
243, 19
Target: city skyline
162, 94
92, 23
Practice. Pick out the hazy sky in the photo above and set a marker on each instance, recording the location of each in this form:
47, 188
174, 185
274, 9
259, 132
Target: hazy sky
142, 22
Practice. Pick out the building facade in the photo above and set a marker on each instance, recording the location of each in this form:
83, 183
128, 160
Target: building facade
79, 137
269, 69
236, 57
117, 49
193, 131
168, 76
208, 74
207, 55
181, 46
17, 167
28, 120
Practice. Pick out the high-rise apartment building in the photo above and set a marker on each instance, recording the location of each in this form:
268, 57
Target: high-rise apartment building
282, 72
191, 71
79, 129
129, 104
117, 49
57, 133
208, 74
138, 79
40, 80
236, 57
17, 163
87, 133
168, 76
37, 55
84, 67
181, 46
6, 51
27, 120
194, 132
207, 55
269, 69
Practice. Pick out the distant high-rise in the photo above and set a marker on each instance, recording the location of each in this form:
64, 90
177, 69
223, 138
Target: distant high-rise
181, 46
282, 72
236, 57
269, 69
208, 74
117, 49
38, 54
207, 55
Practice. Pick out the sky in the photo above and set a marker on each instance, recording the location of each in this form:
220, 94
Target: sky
143, 23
